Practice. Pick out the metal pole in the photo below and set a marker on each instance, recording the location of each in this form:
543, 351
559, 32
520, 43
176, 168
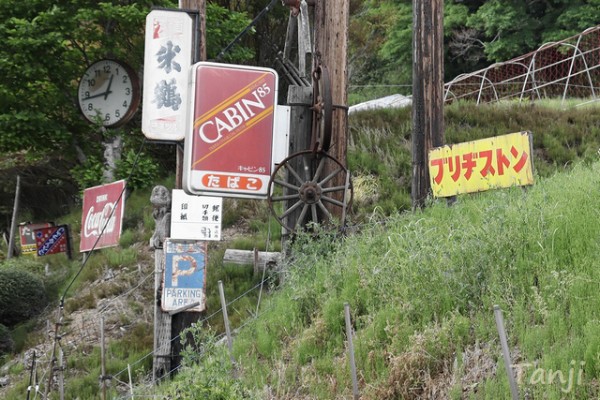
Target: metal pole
102, 360
514, 391
226, 321
351, 351
13, 224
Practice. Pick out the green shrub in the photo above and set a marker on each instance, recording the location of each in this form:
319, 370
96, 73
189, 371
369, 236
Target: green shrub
22, 296
6, 342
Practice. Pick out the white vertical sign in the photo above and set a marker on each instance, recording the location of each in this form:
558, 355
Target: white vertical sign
167, 59
195, 217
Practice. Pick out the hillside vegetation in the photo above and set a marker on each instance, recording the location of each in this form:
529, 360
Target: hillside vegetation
420, 286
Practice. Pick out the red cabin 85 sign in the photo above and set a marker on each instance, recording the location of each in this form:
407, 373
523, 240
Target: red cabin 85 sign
229, 140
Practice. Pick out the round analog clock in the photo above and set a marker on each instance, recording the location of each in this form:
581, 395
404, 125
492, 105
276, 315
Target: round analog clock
108, 93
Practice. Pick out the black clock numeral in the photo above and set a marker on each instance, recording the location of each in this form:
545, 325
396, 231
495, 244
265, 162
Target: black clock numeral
127, 91
90, 106
97, 72
117, 113
125, 104
91, 82
125, 78
107, 69
107, 117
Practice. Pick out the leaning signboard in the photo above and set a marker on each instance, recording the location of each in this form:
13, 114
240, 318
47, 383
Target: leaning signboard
53, 240
229, 145
102, 215
28, 238
491, 163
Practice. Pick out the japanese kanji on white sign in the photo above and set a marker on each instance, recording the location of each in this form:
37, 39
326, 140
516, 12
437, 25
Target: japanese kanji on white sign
195, 217
167, 59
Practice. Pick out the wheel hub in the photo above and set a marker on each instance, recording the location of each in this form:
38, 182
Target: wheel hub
310, 192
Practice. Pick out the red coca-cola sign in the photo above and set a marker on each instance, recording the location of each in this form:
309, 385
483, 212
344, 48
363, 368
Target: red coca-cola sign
102, 216
230, 138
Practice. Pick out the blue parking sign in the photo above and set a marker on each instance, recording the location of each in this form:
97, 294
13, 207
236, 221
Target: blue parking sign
184, 278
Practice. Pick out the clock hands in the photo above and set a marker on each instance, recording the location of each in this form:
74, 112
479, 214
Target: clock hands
108, 87
105, 93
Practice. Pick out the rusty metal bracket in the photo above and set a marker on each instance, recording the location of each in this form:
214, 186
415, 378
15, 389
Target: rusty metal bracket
322, 109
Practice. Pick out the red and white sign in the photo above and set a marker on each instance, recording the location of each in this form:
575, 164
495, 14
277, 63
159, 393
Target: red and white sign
102, 216
229, 145
167, 61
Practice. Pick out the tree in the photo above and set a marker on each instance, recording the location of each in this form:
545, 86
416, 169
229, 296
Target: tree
46, 47
477, 33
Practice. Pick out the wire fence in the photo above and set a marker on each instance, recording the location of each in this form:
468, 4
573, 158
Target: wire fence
568, 70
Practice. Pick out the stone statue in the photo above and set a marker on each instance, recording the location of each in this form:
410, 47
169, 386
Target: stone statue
161, 202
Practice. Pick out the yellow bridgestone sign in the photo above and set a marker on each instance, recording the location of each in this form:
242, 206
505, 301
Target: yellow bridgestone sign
480, 165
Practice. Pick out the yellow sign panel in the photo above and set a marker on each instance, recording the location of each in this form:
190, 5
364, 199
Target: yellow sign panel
480, 165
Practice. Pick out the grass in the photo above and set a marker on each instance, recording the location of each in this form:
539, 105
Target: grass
421, 289
420, 286
380, 142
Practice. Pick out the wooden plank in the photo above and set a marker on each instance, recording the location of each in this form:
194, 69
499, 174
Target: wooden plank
246, 257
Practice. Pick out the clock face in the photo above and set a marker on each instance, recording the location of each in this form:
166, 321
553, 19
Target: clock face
109, 93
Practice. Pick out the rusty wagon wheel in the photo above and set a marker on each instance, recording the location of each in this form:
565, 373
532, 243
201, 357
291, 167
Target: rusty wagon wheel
322, 109
311, 186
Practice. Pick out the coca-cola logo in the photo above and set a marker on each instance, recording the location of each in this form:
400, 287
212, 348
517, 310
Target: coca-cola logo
95, 222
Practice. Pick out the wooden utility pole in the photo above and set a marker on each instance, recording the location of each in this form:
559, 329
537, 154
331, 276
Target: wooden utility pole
331, 22
428, 88
198, 54
183, 320
13, 224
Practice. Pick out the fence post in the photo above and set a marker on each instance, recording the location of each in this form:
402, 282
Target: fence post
351, 351
61, 374
226, 321
31, 375
514, 391
130, 381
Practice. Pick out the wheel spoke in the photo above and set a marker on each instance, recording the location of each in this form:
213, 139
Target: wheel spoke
333, 189
291, 209
332, 201
330, 176
324, 209
303, 214
315, 217
286, 184
286, 197
319, 170
294, 174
